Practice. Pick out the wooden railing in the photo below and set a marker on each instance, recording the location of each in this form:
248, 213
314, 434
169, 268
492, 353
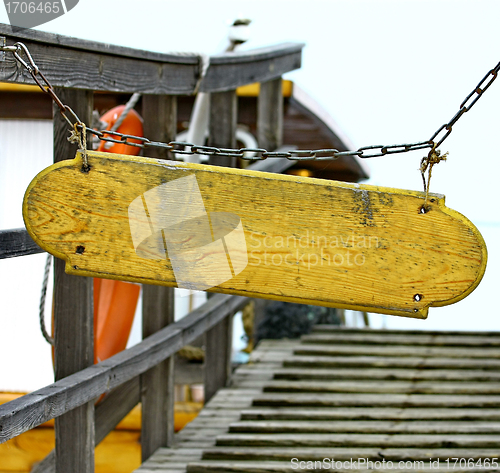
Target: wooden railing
143, 373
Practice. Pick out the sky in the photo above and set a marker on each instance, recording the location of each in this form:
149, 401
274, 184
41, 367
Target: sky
388, 72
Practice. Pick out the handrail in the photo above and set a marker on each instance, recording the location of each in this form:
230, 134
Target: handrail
90, 65
33, 409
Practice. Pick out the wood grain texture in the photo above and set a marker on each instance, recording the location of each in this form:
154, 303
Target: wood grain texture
75, 63
157, 384
308, 240
270, 115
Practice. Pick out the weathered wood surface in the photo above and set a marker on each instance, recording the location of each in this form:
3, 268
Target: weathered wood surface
308, 240
76, 63
342, 338
108, 413
371, 413
17, 242
37, 407
73, 323
270, 115
157, 384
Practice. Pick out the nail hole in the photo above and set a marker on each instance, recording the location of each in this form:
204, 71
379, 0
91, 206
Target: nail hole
75, 267
415, 310
417, 297
79, 250
433, 200
423, 209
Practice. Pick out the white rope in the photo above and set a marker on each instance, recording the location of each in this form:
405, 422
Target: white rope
42, 300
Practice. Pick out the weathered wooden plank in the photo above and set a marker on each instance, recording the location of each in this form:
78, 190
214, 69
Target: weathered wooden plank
270, 115
17, 242
378, 386
330, 464
75, 390
381, 400
317, 453
465, 375
108, 413
371, 413
390, 218
410, 333
365, 427
157, 384
389, 350
218, 341
228, 71
392, 362
222, 125
218, 356
359, 440
73, 324
71, 62
388, 339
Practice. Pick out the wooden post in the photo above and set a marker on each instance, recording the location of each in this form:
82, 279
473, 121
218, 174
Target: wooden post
157, 384
222, 125
73, 319
270, 115
218, 340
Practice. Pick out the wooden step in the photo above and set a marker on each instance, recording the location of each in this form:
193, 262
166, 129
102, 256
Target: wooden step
392, 362
380, 400
463, 375
377, 386
328, 464
381, 338
455, 441
337, 328
371, 413
344, 453
365, 427
396, 350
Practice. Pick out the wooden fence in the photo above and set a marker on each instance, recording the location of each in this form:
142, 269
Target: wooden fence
143, 373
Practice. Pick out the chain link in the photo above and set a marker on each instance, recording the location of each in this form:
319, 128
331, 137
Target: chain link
254, 154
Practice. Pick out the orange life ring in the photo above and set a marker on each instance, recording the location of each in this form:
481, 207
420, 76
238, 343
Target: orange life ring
131, 125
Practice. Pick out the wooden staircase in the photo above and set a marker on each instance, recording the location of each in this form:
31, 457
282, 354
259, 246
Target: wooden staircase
349, 394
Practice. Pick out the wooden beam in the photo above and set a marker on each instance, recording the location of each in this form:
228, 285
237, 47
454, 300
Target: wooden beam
218, 346
218, 341
157, 384
108, 414
270, 115
71, 62
228, 71
222, 125
35, 408
73, 321
17, 242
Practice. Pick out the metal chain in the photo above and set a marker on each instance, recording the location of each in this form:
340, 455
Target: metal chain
180, 147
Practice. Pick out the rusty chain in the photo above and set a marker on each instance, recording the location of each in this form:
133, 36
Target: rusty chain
183, 148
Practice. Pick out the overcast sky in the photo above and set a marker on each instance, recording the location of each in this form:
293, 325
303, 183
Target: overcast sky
387, 71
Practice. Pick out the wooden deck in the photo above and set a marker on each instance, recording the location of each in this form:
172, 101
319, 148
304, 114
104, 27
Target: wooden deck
349, 394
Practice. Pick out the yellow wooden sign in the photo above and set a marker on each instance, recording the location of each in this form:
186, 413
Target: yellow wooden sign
254, 234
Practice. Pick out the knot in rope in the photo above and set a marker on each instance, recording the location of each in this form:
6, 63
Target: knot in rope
427, 163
